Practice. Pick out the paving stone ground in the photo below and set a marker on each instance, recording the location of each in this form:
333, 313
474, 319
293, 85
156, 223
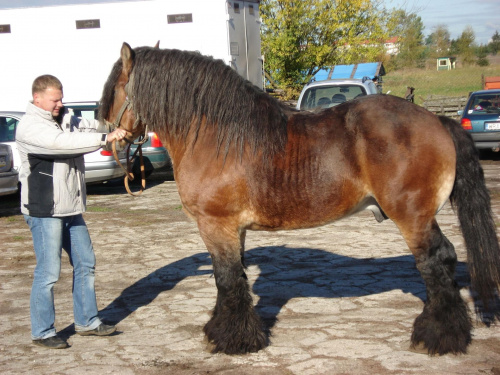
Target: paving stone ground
339, 299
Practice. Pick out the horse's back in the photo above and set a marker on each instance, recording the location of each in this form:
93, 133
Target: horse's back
391, 123
380, 148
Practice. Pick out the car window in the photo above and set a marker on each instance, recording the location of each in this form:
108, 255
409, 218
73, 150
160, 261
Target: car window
8, 128
484, 103
89, 114
329, 96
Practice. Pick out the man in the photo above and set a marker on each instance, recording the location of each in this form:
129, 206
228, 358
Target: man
53, 198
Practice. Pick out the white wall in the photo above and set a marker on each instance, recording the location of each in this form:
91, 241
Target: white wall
44, 40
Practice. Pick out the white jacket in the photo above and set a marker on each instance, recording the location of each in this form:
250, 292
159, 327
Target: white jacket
52, 171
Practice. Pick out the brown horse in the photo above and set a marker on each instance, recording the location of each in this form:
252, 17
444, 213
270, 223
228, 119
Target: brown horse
243, 161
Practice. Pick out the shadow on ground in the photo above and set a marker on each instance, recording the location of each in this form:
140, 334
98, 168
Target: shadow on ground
286, 273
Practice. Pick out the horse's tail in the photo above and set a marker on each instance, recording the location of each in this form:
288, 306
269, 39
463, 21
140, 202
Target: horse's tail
471, 200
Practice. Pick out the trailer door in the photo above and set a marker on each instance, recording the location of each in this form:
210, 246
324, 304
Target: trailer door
244, 40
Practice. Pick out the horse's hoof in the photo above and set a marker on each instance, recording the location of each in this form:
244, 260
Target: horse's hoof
440, 332
209, 345
418, 348
236, 333
237, 348
229, 343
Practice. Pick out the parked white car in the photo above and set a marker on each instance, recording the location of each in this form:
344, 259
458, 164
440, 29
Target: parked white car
100, 165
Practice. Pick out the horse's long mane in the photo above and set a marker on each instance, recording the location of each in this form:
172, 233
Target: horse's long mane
180, 89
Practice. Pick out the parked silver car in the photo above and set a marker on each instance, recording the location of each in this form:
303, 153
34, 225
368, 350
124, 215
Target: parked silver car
155, 155
332, 92
9, 177
100, 165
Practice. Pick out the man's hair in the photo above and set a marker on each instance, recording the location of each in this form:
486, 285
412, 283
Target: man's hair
42, 83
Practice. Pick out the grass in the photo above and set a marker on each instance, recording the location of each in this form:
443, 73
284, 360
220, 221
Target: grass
457, 82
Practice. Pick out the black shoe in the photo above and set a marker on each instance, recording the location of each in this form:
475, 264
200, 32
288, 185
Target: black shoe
52, 342
101, 330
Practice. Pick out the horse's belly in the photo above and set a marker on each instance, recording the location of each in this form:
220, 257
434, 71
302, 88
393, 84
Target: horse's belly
300, 217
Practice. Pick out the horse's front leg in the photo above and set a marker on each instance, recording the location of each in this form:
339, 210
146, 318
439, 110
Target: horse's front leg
235, 327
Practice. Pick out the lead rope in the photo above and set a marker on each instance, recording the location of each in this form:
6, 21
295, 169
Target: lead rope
128, 171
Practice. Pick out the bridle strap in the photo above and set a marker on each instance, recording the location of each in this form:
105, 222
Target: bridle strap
128, 174
127, 105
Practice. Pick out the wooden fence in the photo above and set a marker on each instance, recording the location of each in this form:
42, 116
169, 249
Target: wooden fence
445, 105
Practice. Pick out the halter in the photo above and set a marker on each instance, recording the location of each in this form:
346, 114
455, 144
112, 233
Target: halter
127, 105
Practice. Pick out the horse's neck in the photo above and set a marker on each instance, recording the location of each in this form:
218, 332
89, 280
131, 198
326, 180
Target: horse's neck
198, 137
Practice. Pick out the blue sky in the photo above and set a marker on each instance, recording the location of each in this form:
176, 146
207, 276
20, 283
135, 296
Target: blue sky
482, 15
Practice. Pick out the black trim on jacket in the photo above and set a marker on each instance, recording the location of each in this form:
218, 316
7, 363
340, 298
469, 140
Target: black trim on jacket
40, 187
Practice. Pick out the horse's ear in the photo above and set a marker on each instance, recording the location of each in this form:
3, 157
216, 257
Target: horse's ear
157, 45
127, 55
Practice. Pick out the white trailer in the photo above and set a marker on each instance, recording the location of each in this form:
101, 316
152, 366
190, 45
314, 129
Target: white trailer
79, 43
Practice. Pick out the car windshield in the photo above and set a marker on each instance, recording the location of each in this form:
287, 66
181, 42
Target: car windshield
329, 96
485, 103
8, 129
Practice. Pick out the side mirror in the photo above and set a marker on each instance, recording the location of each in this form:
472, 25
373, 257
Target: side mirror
460, 113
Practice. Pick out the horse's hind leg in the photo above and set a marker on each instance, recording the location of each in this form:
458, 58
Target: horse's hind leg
444, 326
235, 327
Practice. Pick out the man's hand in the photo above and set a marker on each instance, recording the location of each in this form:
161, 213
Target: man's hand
116, 135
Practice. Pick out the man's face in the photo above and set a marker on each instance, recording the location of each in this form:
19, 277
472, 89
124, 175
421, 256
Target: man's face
49, 100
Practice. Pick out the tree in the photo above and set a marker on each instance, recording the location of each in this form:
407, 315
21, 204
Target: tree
300, 37
465, 46
494, 45
438, 42
409, 29
482, 56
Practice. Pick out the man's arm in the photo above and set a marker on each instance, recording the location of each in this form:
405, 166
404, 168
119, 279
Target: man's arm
54, 142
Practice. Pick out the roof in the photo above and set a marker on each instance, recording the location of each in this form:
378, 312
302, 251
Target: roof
491, 91
393, 39
339, 82
353, 71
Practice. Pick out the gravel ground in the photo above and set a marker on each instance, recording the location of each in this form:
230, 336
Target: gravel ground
339, 299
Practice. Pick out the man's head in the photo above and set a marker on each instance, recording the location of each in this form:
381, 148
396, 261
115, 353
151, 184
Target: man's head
47, 93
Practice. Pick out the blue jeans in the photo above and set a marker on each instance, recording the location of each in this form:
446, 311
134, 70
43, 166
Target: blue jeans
50, 236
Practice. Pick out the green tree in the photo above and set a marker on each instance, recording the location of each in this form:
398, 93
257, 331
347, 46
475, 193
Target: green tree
439, 42
300, 37
465, 46
482, 56
494, 45
409, 29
